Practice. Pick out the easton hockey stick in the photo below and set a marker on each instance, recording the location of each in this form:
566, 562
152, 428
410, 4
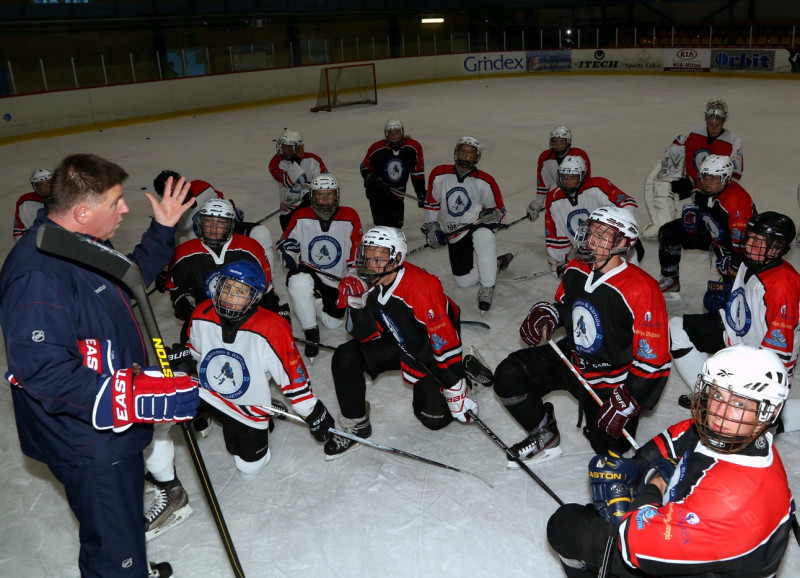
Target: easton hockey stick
58, 241
378, 446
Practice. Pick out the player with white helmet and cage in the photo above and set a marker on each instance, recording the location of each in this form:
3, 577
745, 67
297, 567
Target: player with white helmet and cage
673, 178
239, 348
29, 204
400, 318
716, 220
318, 247
386, 170
679, 505
460, 195
571, 203
559, 147
293, 168
616, 336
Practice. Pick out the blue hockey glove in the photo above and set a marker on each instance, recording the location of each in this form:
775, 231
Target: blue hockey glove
613, 479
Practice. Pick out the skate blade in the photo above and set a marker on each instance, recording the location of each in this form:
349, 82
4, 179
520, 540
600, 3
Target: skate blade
541, 457
352, 448
177, 517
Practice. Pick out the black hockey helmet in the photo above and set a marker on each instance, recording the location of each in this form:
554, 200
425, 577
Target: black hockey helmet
778, 230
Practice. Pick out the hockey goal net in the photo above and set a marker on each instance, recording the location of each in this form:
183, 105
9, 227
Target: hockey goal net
345, 86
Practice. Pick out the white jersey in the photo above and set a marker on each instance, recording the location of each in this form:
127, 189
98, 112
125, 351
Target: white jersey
462, 199
294, 177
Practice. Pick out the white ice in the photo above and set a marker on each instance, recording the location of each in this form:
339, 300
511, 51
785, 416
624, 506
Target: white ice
373, 513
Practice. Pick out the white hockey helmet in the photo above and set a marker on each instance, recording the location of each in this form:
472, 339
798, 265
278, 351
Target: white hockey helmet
716, 107
739, 393
289, 138
560, 132
40, 181
715, 166
324, 182
216, 233
388, 237
236, 288
622, 221
392, 125
464, 162
571, 165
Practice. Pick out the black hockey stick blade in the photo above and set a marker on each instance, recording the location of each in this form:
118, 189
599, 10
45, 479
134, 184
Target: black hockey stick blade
86, 252
475, 323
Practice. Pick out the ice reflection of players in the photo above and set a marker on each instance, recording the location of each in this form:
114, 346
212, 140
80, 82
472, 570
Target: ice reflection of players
225, 373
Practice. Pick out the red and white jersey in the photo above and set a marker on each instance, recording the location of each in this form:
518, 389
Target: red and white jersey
326, 245
417, 309
462, 198
235, 376
547, 170
617, 329
723, 514
25, 213
563, 216
193, 262
763, 311
725, 217
202, 192
698, 146
395, 167
291, 175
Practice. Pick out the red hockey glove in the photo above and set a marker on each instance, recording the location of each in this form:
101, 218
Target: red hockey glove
352, 293
540, 323
99, 355
617, 411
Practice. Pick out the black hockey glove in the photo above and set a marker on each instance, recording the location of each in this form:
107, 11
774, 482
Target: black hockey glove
319, 422
682, 188
161, 281
184, 307
376, 186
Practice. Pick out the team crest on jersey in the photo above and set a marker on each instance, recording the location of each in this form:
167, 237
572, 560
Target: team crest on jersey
324, 252
699, 156
457, 201
692, 519
587, 331
224, 372
776, 339
645, 351
575, 219
644, 515
737, 313
394, 170
713, 227
437, 342
301, 375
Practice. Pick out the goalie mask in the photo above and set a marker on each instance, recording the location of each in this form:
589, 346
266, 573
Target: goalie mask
560, 140
714, 175
382, 251
467, 153
738, 395
213, 223
41, 182
236, 288
607, 232
289, 143
768, 237
394, 133
716, 108
325, 195
571, 173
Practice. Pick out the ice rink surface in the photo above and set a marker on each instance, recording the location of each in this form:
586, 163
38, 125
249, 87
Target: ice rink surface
373, 513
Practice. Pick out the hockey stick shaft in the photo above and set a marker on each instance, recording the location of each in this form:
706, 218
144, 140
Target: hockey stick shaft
272, 214
488, 431
378, 446
59, 241
405, 194
531, 275
307, 342
588, 388
449, 235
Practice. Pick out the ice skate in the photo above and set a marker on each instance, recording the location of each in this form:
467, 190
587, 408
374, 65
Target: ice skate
170, 507
338, 446
669, 284
503, 261
485, 297
541, 445
312, 337
160, 570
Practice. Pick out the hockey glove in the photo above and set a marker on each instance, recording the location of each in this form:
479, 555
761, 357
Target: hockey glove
161, 281
320, 422
421, 199
689, 215
533, 210
539, 325
557, 267
184, 306
99, 355
180, 359
352, 293
376, 187
147, 396
491, 217
664, 467
617, 410
460, 400
290, 253
434, 236
716, 296
682, 188
613, 481
285, 312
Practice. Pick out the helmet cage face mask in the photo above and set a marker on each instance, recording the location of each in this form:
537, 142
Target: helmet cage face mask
41, 182
213, 215
321, 186
289, 138
571, 165
565, 135
586, 254
393, 241
768, 237
715, 166
392, 126
466, 159
716, 109
236, 288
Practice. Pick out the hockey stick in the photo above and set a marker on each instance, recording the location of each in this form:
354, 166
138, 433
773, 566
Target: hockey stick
405, 194
449, 235
487, 430
588, 388
82, 250
378, 446
531, 275
475, 323
307, 342
272, 214
504, 226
